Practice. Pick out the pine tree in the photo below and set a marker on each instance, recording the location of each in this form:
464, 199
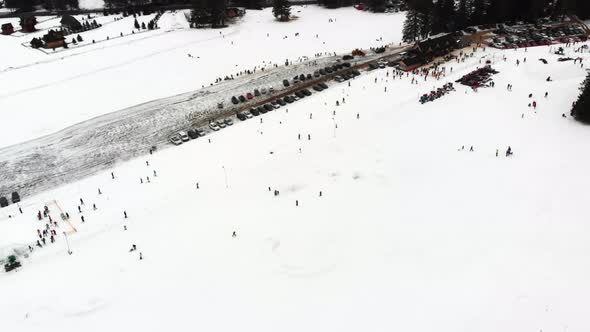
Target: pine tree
411, 30
136, 24
281, 9
581, 109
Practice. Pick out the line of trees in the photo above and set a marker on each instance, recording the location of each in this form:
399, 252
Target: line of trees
425, 17
29, 5
208, 12
581, 108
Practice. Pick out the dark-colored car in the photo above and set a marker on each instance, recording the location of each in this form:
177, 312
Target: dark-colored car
299, 94
286, 83
289, 99
242, 98
323, 85
302, 77
329, 70
254, 112
268, 107
347, 57
346, 65
192, 134
317, 88
356, 72
261, 109
281, 102
15, 197
3, 202
257, 92
373, 66
241, 116
306, 92
322, 71
309, 76
234, 100
316, 73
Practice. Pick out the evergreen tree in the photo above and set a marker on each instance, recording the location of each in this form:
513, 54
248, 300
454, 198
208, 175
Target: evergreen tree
136, 24
218, 8
199, 14
377, 6
581, 108
281, 9
411, 30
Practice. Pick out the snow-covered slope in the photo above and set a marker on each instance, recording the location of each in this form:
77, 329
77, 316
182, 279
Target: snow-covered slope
410, 233
69, 87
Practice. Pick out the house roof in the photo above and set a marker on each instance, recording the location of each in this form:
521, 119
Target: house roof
70, 21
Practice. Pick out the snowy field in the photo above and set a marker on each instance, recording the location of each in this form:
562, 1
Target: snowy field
410, 233
66, 88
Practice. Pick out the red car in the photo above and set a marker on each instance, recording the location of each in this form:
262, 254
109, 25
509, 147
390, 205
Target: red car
249, 96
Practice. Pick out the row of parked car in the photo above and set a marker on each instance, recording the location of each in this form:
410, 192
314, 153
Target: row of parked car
318, 73
526, 36
249, 96
4, 201
279, 102
185, 136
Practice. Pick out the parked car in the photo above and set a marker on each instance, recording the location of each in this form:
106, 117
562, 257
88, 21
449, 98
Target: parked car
221, 124
288, 99
192, 133
316, 73
329, 70
235, 100
249, 96
346, 65
281, 102
323, 85
373, 66
254, 112
338, 78
3, 202
228, 121
257, 92
242, 98
213, 125
317, 88
347, 57
286, 83
200, 131
262, 110
322, 71
15, 197
263, 91
241, 116
306, 92
183, 136
220, 105
272, 90
299, 94
176, 140
249, 115
268, 107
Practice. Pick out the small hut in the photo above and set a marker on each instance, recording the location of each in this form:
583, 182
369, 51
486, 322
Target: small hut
7, 29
